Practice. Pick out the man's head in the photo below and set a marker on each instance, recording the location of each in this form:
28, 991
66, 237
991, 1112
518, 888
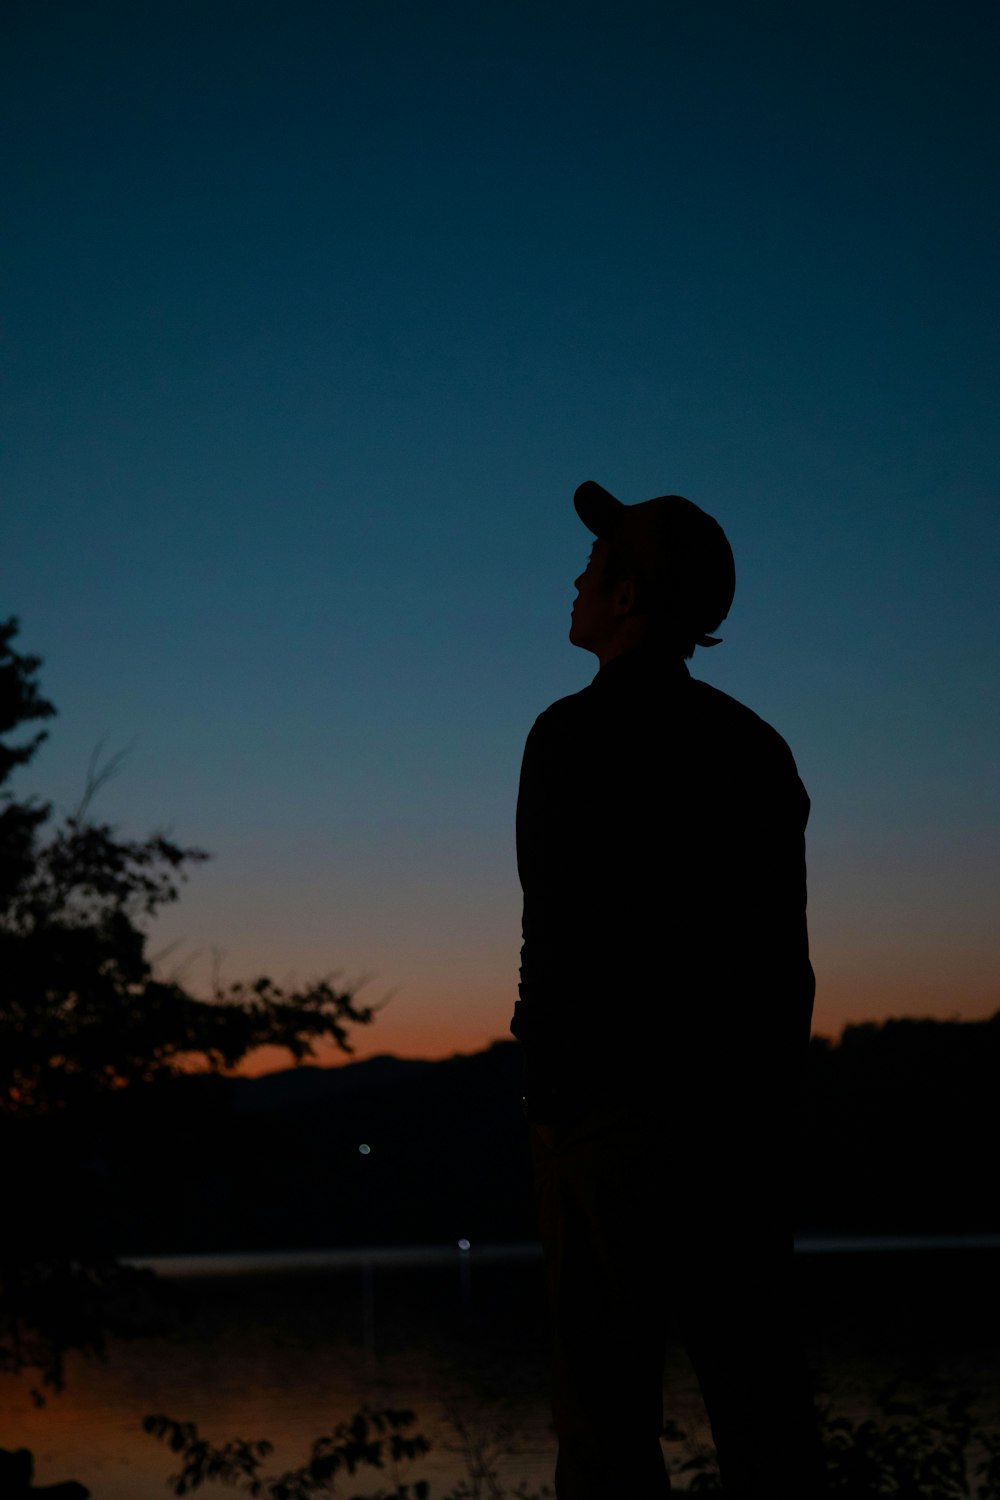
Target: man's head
659, 571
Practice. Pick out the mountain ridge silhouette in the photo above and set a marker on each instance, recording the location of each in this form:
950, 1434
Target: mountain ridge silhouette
899, 1134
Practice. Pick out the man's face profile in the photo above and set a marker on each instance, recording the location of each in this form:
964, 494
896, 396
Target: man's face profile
585, 620
599, 609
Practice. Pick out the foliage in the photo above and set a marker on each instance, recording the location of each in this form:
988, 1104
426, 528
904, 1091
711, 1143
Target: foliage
376, 1439
482, 1444
930, 1449
919, 1448
81, 1008
17, 1470
370, 1439
865, 1104
82, 1014
927, 1449
50, 1304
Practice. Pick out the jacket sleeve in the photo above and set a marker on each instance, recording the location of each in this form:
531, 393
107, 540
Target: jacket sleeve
534, 1014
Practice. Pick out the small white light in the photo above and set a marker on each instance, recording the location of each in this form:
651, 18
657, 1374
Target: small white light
365, 1150
464, 1245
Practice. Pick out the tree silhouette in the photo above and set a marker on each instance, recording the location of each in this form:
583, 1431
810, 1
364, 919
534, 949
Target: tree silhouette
84, 1016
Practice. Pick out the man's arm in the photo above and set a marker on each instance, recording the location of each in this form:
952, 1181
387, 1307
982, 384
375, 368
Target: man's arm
544, 844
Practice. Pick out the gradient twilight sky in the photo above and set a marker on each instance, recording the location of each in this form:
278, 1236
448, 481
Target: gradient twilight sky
317, 314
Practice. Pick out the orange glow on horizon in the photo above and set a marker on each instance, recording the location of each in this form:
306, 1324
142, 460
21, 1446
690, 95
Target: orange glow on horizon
408, 1038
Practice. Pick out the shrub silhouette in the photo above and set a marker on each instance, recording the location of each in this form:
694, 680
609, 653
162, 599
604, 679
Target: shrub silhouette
927, 1449
371, 1439
83, 1017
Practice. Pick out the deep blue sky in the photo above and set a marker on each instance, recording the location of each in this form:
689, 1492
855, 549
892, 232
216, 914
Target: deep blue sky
316, 315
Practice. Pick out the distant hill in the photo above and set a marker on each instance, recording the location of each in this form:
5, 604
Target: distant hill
902, 1128
275, 1162
900, 1133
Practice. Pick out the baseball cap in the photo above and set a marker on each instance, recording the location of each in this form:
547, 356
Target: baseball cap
675, 547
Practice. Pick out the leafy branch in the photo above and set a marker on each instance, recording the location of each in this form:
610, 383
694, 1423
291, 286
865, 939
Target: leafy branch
370, 1439
83, 1015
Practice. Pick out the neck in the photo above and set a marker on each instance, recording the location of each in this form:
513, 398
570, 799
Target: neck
647, 648
630, 635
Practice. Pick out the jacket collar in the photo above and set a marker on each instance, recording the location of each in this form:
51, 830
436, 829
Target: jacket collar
644, 663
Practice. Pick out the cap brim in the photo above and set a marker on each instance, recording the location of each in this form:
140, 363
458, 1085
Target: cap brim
598, 510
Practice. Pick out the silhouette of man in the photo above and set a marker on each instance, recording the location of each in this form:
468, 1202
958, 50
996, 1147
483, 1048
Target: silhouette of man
665, 1002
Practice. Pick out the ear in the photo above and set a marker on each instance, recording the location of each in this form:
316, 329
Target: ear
624, 598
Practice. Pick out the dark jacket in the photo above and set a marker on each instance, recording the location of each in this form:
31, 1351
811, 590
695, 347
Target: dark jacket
660, 841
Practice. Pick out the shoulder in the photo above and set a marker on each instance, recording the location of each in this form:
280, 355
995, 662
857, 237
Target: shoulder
730, 715
736, 732
563, 716
733, 734
562, 738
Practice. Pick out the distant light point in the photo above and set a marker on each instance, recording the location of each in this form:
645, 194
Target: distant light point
464, 1245
365, 1149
